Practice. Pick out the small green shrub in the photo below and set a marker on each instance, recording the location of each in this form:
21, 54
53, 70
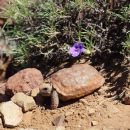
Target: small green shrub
127, 44
44, 31
18, 10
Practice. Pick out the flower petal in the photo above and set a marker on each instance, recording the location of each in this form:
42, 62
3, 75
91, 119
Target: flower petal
77, 49
79, 45
82, 50
74, 52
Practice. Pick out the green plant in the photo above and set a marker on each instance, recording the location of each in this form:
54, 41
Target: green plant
18, 10
127, 43
49, 29
123, 14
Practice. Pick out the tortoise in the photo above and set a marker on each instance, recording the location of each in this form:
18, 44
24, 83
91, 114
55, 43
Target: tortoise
71, 83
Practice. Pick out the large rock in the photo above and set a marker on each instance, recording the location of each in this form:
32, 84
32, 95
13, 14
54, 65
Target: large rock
26, 102
24, 81
12, 114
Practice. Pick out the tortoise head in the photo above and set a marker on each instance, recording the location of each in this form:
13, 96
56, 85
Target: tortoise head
46, 89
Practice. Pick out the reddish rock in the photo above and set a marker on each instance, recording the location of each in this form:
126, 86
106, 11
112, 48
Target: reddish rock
24, 81
127, 100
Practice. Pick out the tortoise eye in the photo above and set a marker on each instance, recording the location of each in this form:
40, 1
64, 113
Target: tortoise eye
45, 89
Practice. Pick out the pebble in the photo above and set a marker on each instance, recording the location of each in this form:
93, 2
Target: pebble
59, 120
94, 123
35, 92
83, 101
91, 111
69, 112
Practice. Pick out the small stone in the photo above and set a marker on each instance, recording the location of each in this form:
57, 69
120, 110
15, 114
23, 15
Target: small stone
84, 101
91, 111
58, 121
60, 128
109, 116
103, 90
126, 99
11, 114
26, 102
52, 112
35, 92
94, 123
95, 94
68, 113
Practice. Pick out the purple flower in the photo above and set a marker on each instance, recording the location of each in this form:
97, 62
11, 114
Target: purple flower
76, 49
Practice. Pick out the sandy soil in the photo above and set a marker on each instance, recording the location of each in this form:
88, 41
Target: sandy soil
94, 112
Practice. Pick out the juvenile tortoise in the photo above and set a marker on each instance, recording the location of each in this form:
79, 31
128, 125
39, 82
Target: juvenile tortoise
71, 83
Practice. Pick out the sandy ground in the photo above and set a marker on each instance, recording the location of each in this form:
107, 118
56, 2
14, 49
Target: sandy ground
94, 112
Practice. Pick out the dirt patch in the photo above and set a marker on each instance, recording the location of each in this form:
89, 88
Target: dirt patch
81, 115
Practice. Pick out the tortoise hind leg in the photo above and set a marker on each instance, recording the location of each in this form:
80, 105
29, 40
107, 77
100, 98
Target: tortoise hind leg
54, 99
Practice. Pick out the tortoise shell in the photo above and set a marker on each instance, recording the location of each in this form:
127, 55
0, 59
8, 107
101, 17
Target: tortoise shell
76, 81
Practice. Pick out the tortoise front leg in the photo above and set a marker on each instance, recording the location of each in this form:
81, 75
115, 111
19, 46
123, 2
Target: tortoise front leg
54, 99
